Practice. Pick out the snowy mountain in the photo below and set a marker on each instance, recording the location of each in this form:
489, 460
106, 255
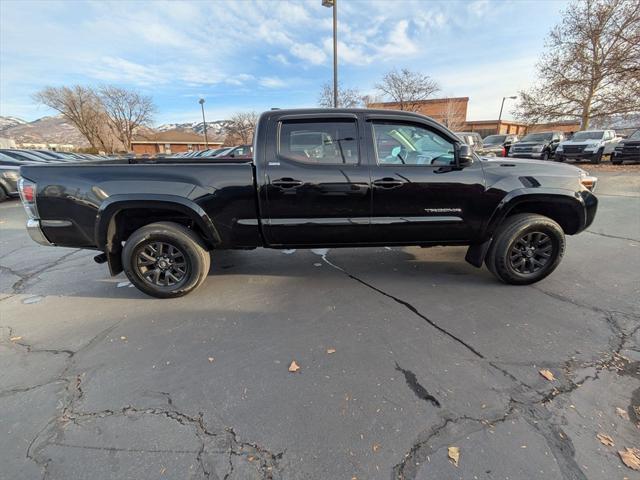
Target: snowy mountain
44, 130
214, 128
8, 122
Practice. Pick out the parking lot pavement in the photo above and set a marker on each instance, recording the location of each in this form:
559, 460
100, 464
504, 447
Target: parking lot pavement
403, 353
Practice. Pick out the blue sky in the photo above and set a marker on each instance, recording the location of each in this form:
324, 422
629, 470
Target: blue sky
254, 55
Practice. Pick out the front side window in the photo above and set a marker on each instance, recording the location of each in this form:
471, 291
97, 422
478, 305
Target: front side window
319, 142
405, 144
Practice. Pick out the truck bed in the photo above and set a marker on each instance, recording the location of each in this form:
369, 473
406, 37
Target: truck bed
72, 197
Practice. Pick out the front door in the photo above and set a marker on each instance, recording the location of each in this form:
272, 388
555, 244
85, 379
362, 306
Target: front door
317, 189
419, 194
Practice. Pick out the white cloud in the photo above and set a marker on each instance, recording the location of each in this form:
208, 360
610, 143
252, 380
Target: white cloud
272, 82
279, 58
479, 8
116, 69
398, 42
309, 52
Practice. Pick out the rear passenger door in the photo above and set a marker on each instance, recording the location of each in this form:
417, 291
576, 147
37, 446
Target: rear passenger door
317, 187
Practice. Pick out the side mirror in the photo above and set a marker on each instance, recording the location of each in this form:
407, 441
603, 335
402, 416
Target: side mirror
465, 156
395, 151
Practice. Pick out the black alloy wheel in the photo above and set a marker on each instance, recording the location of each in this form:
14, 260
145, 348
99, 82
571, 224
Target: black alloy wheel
161, 264
531, 253
165, 259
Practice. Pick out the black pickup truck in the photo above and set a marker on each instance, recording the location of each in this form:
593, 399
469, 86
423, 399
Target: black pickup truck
318, 178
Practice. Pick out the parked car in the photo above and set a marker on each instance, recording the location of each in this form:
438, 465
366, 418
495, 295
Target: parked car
540, 145
474, 140
627, 150
9, 176
588, 145
499, 144
242, 152
25, 156
159, 222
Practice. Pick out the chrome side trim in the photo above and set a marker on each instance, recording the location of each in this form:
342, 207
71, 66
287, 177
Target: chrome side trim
341, 221
35, 232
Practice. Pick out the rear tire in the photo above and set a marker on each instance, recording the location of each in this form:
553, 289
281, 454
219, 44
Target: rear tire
165, 260
3, 195
615, 160
525, 249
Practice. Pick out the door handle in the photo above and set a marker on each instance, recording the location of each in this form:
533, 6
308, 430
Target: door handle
387, 182
286, 183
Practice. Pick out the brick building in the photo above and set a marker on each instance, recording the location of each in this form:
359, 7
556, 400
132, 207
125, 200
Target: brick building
452, 112
170, 141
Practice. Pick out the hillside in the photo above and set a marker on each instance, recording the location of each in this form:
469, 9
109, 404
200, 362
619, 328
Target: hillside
44, 130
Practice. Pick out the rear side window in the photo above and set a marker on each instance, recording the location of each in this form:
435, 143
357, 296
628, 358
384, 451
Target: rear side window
330, 142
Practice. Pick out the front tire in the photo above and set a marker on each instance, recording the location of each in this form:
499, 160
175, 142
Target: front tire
165, 260
597, 158
525, 249
3, 195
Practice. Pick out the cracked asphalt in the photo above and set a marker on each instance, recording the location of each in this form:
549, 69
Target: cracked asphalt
99, 381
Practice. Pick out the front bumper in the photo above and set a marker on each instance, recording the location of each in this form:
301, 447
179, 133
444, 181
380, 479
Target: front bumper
561, 156
35, 232
626, 155
525, 154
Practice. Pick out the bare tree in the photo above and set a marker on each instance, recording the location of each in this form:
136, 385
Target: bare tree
347, 97
453, 115
82, 107
240, 128
126, 111
407, 88
591, 65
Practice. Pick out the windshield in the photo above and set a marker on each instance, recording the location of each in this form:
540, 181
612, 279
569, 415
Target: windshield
537, 137
587, 136
494, 139
635, 135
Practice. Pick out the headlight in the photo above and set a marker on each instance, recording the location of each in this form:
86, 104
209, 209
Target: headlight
588, 181
559, 149
590, 148
537, 148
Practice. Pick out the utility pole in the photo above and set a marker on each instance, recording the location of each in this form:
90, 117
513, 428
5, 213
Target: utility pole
334, 5
204, 123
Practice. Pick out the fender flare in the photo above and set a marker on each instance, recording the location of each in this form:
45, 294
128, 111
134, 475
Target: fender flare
535, 195
118, 203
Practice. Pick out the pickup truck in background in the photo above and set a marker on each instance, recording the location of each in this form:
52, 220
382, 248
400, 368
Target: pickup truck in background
318, 178
589, 145
541, 145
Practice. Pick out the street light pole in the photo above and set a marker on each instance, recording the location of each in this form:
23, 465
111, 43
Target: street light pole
204, 123
502, 106
334, 5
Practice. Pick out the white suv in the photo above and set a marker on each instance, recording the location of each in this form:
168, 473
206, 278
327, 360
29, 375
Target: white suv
587, 145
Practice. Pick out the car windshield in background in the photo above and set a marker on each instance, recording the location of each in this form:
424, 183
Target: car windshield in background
635, 135
587, 136
537, 137
494, 139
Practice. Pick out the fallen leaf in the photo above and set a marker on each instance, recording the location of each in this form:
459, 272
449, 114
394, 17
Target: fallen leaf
622, 413
211, 359
375, 447
605, 439
331, 350
15, 339
548, 374
454, 455
294, 367
630, 457
162, 470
